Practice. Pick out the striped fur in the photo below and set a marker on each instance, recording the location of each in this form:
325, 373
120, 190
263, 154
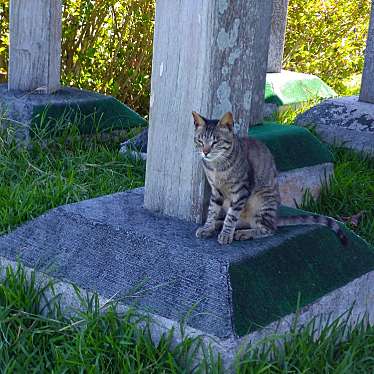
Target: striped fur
243, 178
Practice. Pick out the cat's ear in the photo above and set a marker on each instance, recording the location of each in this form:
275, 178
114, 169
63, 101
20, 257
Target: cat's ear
198, 120
227, 121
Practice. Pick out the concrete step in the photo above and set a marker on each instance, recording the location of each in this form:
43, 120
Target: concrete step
113, 246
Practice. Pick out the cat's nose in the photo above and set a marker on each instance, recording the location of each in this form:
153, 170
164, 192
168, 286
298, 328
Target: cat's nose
206, 149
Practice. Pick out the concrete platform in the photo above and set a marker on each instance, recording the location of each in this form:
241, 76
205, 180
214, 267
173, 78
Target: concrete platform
88, 110
230, 295
344, 121
303, 162
290, 89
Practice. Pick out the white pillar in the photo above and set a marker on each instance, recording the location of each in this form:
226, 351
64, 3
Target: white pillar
367, 84
209, 56
277, 36
35, 45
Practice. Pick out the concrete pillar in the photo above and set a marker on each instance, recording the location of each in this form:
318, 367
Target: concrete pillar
209, 56
367, 84
35, 45
277, 36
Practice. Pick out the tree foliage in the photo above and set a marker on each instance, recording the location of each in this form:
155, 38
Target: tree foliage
106, 47
107, 44
327, 38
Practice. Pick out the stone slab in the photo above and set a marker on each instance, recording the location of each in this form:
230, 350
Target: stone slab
344, 121
113, 246
293, 184
89, 110
291, 89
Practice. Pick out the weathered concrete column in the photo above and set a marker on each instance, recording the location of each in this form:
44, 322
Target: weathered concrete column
35, 45
277, 36
367, 86
209, 56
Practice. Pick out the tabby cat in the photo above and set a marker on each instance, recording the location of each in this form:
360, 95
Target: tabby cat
243, 178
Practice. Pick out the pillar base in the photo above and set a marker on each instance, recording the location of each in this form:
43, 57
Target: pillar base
90, 111
232, 295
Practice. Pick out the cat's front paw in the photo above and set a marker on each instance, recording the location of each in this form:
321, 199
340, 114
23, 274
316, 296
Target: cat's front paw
205, 232
224, 238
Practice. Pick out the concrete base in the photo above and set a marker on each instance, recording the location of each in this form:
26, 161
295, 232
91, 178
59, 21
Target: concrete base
290, 89
88, 110
112, 246
344, 121
293, 184
351, 305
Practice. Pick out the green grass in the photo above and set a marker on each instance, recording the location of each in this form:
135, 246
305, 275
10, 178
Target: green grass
42, 340
52, 173
331, 352
94, 341
69, 169
351, 190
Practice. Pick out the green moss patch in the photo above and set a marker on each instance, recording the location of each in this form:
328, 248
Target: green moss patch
292, 147
295, 273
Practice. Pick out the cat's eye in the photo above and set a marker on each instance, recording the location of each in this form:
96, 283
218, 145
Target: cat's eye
214, 143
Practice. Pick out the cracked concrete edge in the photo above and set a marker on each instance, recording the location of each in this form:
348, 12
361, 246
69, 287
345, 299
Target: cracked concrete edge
293, 184
355, 300
127, 151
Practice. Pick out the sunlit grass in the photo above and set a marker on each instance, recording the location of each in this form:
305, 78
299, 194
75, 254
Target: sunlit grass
56, 171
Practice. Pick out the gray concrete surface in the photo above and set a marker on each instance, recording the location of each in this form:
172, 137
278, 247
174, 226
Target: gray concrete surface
343, 121
17, 107
293, 184
114, 246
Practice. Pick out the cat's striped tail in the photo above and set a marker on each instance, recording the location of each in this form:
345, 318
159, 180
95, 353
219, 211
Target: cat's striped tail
314, 219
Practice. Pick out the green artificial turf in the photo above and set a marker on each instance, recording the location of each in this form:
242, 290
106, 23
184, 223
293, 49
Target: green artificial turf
288, 89
294, 274
91, 113
292, 147
57, 171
